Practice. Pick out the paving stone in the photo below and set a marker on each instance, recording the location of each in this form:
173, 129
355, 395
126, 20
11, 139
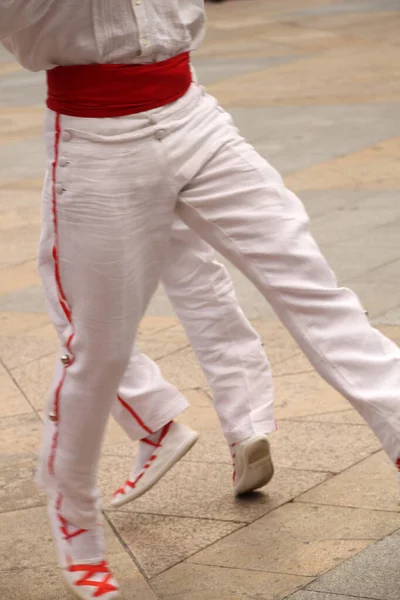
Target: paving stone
373, 574
45, 582
164, 344
160, 542
182, 370
303, 394
15, 324
17, 488
18, 245
12, 401
306, 595
196, 582
295, 137
300, 539
317, 80
29, 299
204, 491
350, 417
26, 540
28, 557
376, 298
20, 435
20, 277
369, 484
35, 379
19, 351
328, 446
392, 317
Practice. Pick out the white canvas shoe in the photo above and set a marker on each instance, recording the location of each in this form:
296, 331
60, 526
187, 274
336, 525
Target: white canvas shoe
81, 555
252, 464
174, 442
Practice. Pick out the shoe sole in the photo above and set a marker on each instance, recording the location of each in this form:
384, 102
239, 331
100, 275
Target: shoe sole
258, 467
168, 465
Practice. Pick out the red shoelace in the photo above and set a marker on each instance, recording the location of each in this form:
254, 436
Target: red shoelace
102, 587
132, 484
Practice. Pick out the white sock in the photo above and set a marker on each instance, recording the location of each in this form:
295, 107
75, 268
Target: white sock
74, 543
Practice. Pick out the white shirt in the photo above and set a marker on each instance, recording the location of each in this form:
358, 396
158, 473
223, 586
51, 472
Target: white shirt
43, 34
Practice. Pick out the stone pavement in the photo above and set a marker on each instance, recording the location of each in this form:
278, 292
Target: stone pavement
314, 85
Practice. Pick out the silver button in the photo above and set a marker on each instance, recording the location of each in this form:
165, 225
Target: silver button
145, 42
66, 360
53, 417
63, 162
66, 136
138, 2
160, 134
59, 188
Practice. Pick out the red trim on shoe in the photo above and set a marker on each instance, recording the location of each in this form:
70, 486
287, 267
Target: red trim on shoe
132, 484
103, 587
398, 464
134, 415
60, 293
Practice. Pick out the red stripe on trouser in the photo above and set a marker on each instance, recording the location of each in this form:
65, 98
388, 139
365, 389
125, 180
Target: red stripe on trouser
60, 292
134, 415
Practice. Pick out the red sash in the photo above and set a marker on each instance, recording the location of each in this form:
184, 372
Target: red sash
99, 91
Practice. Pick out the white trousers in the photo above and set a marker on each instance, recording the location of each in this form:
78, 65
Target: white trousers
111, 199
228, 348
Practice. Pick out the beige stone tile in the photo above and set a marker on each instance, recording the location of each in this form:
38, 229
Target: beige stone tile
163, 343
21, 184
182, 370
16, 324
40, 583
305, 394
35, 379
204, 490
45, 583
9, 67
19, 244
25, 121
117, 442
301, 539
151, 325
349, 417
18, 201
297, 363
18, 351
329, 447
371, 168
17, 488
278, 343
378, 298
391, 331
369, 484
18, 277
159, 542
211, 447
20, 435
26, 541
319, 80
201, 414
12, 401
198, 582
